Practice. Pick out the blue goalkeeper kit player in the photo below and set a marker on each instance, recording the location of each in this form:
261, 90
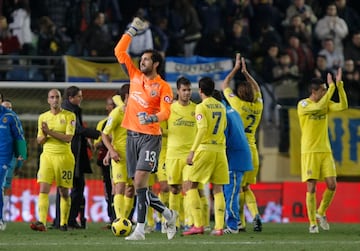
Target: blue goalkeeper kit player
12, 143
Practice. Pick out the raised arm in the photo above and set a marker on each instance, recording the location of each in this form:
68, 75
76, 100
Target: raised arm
230, 76
248, 77
343, 103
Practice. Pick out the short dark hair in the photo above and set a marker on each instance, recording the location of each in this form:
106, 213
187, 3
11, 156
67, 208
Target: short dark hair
182, 81
207, 86
71, 91
217, 95
315, 84
124, 89
155, 57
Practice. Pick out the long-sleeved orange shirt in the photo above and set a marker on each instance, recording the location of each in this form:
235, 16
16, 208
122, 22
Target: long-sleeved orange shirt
153, 96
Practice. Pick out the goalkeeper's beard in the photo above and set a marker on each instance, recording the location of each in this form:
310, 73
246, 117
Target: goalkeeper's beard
146, 70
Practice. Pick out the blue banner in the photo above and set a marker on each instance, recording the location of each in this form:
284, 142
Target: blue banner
197, 67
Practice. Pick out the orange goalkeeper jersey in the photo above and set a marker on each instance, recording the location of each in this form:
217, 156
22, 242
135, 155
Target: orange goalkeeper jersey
153, 96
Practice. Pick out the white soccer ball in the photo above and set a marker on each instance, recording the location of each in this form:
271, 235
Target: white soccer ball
121, 227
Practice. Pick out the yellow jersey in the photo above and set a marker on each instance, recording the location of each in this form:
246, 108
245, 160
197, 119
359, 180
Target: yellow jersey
63, 122
181, 130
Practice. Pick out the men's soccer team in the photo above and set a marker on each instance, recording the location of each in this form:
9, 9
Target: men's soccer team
149, 136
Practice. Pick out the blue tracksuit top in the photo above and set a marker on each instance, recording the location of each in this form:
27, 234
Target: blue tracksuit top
10, 131
237, 146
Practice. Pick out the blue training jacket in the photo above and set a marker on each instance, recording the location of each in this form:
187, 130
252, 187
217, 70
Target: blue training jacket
237, 146
12, 140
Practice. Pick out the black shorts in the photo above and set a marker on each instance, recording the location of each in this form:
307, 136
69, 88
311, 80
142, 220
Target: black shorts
142, 152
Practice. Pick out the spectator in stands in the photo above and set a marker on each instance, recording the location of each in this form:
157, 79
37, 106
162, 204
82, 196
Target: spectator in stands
49, 40
270, 61
263, 12
115, 20
302, 56
58, 11
286, 79
334, 58
96, 41
213, 46
144, 39
20, 26
298, 27
267, 37
238, 41
159, 34
210, 15
352, 48
184, 28
9, 43
331, 25
298, 7
350, 15
351, 75
321, 68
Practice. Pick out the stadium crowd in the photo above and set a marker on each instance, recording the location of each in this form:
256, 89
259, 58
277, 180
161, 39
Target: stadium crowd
287, 42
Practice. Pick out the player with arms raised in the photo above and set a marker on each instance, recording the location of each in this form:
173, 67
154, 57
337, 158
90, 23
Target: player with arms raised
249, 104
149, 103
317, 162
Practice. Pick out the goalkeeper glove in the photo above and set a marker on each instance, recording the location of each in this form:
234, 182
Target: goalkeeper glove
145, 119
137, 25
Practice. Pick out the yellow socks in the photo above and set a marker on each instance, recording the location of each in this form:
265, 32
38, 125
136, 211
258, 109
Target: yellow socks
219, 210
174, 203
118, 203
311, 207
205, 211
128, 206
43, 207
327, 198
250, 202
195, 206
65, 204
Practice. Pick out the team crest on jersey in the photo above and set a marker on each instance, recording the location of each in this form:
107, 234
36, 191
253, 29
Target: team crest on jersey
5, 120
62, 121
109, 121
199, 117
304, 103
167, 99
153, 93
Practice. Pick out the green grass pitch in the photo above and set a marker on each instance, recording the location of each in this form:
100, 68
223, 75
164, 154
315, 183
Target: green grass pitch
291, 236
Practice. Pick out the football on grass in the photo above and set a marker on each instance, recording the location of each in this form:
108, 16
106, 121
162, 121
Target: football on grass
121, 227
